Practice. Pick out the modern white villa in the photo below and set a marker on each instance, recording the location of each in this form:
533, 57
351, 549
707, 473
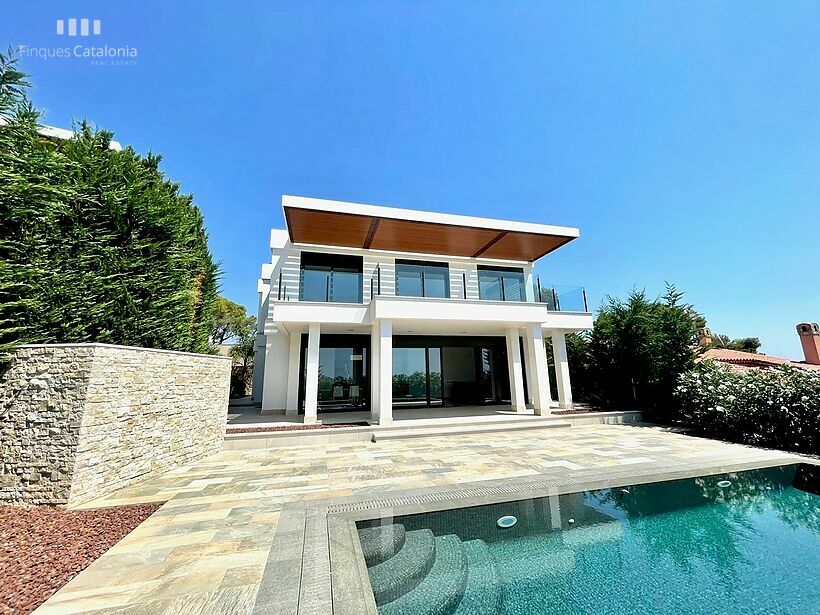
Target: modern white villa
370, 308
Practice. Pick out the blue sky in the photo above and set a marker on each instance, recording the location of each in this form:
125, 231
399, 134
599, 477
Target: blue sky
682, 138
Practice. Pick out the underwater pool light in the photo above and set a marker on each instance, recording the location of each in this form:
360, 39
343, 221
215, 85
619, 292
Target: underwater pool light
724, 483
506, 521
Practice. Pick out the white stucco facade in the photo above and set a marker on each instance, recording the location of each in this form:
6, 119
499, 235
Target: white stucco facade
294, 327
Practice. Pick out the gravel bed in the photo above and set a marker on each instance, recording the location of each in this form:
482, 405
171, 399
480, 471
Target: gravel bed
293, 427
42, 549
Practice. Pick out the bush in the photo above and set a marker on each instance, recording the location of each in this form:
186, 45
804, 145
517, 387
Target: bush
776, 408
96, 245
633, 357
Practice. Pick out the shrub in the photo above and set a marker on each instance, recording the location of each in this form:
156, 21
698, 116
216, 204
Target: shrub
96, 245
777, 408
633, 357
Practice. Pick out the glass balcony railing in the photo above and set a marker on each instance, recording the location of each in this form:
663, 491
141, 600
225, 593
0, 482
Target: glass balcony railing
346, 287
562, 298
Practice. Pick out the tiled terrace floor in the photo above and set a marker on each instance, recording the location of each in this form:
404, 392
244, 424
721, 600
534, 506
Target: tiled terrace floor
205, 550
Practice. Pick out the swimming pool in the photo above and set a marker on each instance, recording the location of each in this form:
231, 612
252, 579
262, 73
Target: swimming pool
690, 546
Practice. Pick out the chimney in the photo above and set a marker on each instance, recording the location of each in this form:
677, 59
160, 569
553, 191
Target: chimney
704, 336
810, 339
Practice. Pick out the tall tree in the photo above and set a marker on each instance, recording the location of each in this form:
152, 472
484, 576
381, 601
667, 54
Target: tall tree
636, 352
96, 245
231, 322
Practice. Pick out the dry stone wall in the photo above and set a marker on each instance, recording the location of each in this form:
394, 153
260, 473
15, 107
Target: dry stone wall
79, 421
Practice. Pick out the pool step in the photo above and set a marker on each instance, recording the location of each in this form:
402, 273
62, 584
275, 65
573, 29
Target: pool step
475, 428
482, 594
442, 589
381, 542
399, 574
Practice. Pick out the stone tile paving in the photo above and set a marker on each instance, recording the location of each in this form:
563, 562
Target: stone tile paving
205, 550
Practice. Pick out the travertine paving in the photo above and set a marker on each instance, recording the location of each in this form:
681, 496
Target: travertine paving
205, 550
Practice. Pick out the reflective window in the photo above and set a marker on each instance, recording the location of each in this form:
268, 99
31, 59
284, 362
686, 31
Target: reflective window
501, 284
330, 277
422, 279
409, 376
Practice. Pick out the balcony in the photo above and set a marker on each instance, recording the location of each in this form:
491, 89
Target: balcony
360, 301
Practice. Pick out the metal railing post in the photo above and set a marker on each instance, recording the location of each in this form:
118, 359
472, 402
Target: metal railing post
538, 281
503, 293
379, 279
584, 293
554, 300
279, 294
464, 283
327, 289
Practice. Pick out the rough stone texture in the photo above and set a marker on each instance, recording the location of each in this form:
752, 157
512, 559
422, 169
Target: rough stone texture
78, 421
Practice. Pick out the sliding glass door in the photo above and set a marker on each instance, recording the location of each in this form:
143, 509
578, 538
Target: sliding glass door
343, 373
417, 376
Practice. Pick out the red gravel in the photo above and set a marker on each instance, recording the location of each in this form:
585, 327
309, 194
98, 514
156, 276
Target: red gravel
42, 549
294, 427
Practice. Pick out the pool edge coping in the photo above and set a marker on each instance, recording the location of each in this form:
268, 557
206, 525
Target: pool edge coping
316, 566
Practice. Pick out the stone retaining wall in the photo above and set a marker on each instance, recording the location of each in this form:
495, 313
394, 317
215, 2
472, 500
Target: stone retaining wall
79, 421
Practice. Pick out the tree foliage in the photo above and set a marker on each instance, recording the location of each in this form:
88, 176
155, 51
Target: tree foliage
634, 355
96, 245
745, 344
231, 322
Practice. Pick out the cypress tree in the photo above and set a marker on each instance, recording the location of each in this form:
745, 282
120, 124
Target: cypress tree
96, 245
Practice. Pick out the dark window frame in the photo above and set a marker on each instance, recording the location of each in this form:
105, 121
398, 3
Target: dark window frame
330, 263
422, 265
502, 291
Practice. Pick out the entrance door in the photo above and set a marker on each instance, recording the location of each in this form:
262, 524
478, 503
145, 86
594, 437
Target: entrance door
417, 376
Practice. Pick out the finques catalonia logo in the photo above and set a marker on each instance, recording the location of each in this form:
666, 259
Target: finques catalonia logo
96, 54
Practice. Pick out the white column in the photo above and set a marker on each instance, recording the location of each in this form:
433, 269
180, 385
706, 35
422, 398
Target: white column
312, 376
537, 365
516, 373
559, 351
375, 383
385, 372
529, 372
294, 358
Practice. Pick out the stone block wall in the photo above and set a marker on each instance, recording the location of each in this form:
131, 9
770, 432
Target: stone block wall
79, 421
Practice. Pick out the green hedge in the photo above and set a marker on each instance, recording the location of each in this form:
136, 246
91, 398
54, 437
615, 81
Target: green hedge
775, 408
96, 245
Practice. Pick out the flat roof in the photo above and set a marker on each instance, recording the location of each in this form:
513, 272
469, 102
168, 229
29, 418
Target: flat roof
353, 225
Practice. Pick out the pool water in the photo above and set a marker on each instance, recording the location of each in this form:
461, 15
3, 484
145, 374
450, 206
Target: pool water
685, 546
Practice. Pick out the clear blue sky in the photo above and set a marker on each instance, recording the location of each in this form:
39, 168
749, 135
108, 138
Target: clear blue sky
682, 138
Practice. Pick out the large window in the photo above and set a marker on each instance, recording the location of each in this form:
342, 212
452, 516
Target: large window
501, 284
422, 279
343, 372
330, 277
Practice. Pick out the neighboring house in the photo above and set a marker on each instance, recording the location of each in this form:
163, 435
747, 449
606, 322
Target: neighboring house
370, 308
740, 361
52, 133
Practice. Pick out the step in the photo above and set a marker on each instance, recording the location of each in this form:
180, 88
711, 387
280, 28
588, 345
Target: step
456, 430
399, 574
482, 594
441, 590
381, 542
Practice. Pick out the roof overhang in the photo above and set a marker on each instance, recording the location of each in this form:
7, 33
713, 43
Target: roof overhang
352, 225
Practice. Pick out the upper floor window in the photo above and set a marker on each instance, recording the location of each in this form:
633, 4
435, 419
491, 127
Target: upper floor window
330, 277
422, 279
501, 283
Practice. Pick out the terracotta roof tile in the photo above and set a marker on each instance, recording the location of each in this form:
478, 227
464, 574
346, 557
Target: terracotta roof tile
751, 359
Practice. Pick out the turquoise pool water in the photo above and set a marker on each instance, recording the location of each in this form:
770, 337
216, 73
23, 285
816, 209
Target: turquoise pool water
686, 546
